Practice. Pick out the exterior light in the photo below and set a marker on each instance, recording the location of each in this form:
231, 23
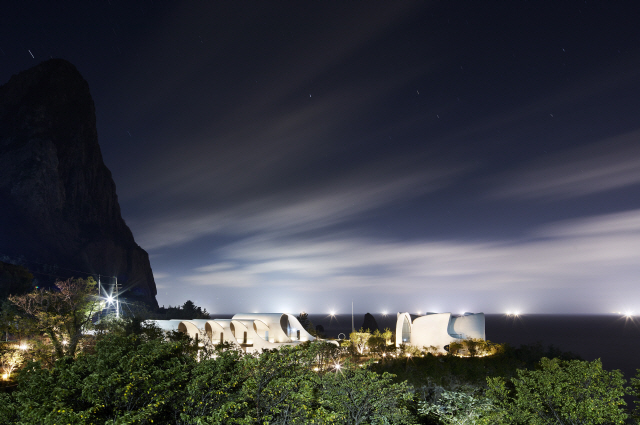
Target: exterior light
5, 376
109, 299
24, 347
384, 313
65, 342
337, 366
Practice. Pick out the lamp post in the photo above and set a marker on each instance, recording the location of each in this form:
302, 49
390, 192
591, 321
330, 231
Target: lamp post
353, 328
117, 299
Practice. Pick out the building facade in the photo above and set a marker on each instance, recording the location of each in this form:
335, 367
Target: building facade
438, 329
253, 332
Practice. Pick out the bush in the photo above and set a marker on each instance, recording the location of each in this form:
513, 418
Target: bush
562, 392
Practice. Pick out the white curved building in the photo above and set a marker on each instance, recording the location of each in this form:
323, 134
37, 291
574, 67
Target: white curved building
251, 331
438, 329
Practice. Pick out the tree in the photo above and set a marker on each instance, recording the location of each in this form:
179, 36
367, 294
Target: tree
377, 343
464, 407
359, 340
194, 312
212, 395
306, 323
561, 392
63, 314
11, 357
130, 379
354, 395
187, 311
634, 390
326, 355
279, 386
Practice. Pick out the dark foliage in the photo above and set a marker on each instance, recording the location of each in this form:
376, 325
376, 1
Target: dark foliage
187, 311
14, 280
451, 370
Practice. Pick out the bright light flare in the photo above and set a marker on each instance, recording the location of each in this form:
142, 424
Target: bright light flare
5, 376
109, 299
24, 347
384, 313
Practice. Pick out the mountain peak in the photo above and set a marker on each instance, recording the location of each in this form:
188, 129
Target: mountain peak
60, 206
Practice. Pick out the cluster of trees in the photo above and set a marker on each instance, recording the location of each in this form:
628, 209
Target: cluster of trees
137, 374
376, 344
126, 371
187, 311
147, 378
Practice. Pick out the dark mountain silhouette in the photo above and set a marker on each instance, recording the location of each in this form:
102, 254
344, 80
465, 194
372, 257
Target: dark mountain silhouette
370, 323
59, 212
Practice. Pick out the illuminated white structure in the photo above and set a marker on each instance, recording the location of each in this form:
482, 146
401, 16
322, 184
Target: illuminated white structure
252, 331
438, 329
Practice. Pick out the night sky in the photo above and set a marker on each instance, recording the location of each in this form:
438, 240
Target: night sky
409, 156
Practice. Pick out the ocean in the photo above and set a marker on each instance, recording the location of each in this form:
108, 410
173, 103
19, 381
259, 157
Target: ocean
612, 338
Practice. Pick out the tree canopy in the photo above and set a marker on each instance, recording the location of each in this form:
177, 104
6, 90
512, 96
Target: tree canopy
561, 392
62, 314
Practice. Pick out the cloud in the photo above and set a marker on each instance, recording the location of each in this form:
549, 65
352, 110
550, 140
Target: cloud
295, 211
558, 263
594, 168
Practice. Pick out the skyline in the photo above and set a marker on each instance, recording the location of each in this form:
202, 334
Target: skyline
409, 156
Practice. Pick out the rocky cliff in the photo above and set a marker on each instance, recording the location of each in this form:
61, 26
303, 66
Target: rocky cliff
58, 202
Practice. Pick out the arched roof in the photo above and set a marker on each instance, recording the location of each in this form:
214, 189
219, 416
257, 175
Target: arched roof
190, 328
